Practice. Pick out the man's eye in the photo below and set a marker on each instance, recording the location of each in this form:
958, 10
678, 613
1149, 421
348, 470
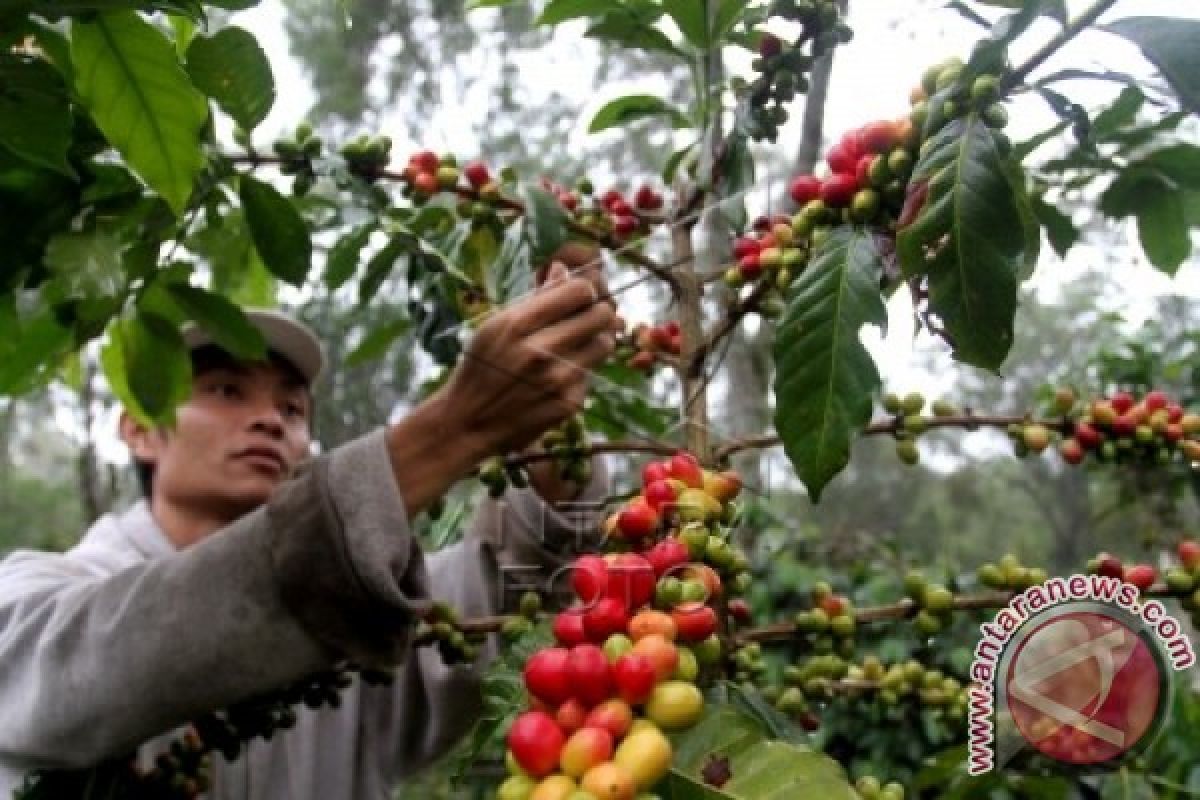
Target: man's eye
225, 389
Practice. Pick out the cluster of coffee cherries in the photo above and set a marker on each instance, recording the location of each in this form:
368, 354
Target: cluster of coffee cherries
783, 67
910, 423
440, 629
943, 95
630, 650
1123, 429
1010, 575
1140, 575
566, 443
1184, 580
830, 613
182, 771
428, 173
934, 604
296, 154
870, 788
869, 171
644, 345
625, 218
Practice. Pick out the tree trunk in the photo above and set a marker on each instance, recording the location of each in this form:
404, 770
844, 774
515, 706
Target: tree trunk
91, 496
748, 361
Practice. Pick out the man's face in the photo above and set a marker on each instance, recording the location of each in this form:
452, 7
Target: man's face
241, 433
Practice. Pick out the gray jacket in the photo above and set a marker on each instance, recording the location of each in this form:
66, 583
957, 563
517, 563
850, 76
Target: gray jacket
122, 639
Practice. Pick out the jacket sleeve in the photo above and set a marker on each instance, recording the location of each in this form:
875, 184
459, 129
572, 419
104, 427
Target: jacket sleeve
512, 544
93, 664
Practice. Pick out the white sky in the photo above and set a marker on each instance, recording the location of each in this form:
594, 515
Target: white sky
872, 77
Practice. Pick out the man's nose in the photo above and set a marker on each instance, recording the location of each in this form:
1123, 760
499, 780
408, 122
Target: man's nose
267, 417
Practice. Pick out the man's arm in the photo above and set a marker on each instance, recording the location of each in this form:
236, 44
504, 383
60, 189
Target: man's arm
92, 664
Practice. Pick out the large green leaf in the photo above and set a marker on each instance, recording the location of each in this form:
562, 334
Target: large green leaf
689, 17
758, 768
1060, 230
625, 109
35, 117
376, 343
87, 264
222, 319
970, 239
1153, 190
231, 68
28, 350
344, 257
545, 223
632, 31
557, 11
146, 363
728, 13
1170, 44
824, 377
278, 230
131, 82
1163, 229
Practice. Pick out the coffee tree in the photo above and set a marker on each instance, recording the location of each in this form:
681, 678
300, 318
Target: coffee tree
125, 215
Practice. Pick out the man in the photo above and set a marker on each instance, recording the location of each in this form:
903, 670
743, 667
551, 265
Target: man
249, 568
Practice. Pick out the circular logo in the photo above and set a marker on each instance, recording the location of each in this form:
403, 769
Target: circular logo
1085, 685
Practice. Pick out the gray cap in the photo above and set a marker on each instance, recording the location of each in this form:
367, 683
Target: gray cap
284, 334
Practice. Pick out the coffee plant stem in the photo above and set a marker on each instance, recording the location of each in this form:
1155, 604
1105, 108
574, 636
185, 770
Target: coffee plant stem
891, 425
1069, 31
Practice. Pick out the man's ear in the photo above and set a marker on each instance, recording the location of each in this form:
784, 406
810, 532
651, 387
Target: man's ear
143, 441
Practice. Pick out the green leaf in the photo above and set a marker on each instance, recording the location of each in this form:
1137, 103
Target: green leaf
381, 265
231, 68
35, 116
1163, 229
557, 11
377, 342
1061, 232
545, 223
824, 377
476, 4
147, 365
25, 358
728, 13
1122, 112
675, 160
737, 167
689, 16
278, 230
625, 109
969, 240
633, 32
130, 81
89, 264
760, 769
1170, 44
221, 319
343, 258
1179, 162
1030, 226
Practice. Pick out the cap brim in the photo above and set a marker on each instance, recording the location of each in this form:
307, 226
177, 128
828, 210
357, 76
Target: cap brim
284, 335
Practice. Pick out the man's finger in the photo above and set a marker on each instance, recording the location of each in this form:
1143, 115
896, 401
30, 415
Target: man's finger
575, 332
578, 254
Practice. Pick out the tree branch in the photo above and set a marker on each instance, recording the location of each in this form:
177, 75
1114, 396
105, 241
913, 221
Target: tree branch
892, 425
601, 238
1069, 32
